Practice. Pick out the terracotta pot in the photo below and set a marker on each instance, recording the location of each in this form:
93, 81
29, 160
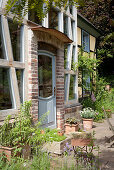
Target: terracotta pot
42, 132
60, 133
87, 124
70, 128
9, 152
80, 142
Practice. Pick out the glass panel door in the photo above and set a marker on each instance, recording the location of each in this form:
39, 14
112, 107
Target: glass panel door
45, 76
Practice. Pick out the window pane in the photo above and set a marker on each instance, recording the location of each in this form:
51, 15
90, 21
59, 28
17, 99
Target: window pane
53, 19
71, 9
5, 95
73, 64
85, 41
1, 42
71, 89
19, 74
65, 25
15, 34
72, 27
32, 16
86, 82
65, 85
65, 56
45, 76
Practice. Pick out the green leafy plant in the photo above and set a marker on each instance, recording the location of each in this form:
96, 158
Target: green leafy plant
72, 120
82, 135
88, 113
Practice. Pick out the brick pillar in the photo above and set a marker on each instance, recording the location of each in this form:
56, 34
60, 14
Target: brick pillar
33, 78
60, 88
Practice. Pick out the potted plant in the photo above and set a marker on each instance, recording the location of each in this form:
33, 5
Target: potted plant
71, 125
87, 115
15, 136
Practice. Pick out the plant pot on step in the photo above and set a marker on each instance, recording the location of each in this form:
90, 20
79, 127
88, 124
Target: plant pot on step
87, 124
87, 115
70, 128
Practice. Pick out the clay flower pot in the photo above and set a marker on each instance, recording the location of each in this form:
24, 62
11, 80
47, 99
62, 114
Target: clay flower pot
42, 132
60, 133
9, 152
81, 139
80, 142
70, 128
87, 124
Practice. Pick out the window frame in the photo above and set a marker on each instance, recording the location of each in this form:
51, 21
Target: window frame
12, 65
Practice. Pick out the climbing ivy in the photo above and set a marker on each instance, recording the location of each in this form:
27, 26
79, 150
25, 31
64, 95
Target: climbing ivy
86, 62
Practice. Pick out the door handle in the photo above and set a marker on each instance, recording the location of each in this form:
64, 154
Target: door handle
54, 91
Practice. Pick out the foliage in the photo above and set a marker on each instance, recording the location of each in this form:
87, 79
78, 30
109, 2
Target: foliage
18, 132
5, 135
20, 8
86, 62
87, 66
100, 14
72, 120
99, 98
82, 135
87, 113
49, 135
41, 162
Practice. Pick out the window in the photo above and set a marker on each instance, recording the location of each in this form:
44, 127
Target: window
32, 16
65, 19
11, 68
1, 43
19, 74
15, 35
86, 83
0, 3
85, 41
53, 19
5, 92
71, 88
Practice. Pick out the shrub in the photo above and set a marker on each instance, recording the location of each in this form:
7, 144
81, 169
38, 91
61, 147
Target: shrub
87, 113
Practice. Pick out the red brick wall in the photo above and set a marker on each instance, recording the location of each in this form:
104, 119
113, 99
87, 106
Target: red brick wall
33, 78
60, 88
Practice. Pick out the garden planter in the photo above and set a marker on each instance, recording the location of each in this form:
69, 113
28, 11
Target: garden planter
87, 124
9, 152
70, 128
80, 142
56, 147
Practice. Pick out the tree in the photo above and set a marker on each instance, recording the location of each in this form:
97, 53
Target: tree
100, 14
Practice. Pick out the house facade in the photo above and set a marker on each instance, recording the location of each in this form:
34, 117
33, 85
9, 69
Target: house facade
36, 61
